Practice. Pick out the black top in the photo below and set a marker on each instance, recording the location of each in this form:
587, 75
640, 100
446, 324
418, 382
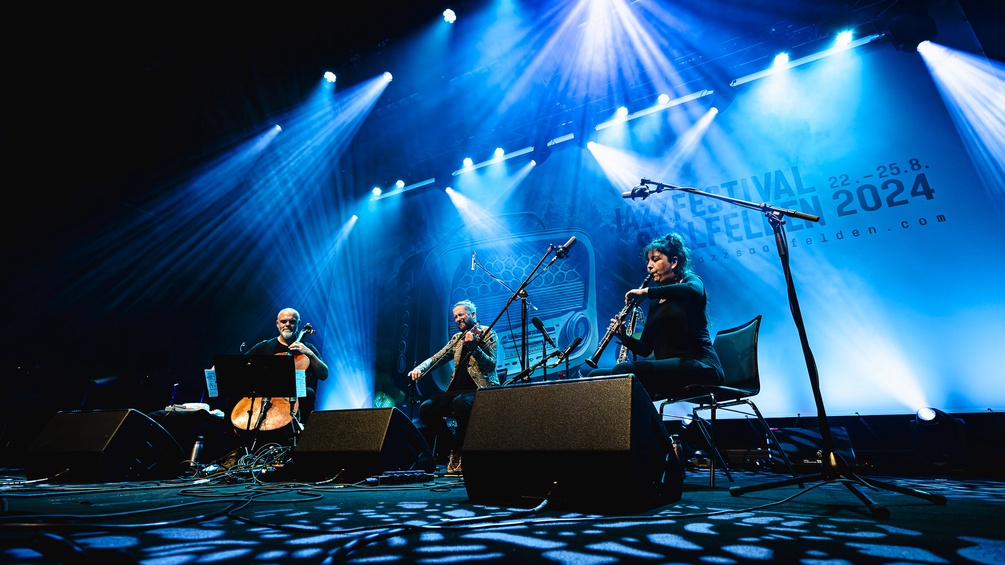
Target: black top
678, 326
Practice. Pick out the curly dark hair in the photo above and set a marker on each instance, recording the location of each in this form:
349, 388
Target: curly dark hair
672, 245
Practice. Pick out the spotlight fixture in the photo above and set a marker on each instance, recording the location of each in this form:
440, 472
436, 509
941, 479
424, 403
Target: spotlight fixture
541, 153
941, 438
929, 416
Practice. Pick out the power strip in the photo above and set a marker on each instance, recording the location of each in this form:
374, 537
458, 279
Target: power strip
404, 478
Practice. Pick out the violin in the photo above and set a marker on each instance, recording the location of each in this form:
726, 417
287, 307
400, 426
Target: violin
265, 413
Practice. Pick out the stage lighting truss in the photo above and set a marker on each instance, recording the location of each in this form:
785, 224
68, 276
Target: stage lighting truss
659, 107
500, 158
398, 190
807, 59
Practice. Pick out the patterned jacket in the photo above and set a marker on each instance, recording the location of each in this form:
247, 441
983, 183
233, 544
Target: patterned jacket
481, 362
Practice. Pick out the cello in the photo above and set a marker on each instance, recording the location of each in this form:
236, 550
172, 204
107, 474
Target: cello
265, 413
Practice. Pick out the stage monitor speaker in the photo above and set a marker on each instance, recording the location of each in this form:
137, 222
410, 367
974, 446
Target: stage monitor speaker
352, 445
593, 444
104, 446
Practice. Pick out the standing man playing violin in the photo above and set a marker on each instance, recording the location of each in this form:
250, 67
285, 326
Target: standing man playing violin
289, 342
473, 350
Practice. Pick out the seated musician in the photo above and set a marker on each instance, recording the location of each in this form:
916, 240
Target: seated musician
675, 348
288, 342
474, 350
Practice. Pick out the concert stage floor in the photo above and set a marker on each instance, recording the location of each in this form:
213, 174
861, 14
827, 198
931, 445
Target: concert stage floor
234, 517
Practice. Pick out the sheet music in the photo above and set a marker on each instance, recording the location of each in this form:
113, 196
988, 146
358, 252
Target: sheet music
211, 383
301, 383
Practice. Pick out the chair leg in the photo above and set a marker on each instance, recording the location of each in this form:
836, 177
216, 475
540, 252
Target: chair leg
714, 454
708, 431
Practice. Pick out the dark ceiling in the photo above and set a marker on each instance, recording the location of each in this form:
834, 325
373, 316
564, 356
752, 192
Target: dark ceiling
107, 101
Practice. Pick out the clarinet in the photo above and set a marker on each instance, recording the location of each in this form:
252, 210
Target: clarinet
618, 319
630, 330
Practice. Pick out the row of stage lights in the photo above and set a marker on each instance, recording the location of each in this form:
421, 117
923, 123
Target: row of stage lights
843, 41
449, 16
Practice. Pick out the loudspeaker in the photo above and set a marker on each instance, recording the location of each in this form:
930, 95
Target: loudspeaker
352, 445
592, 444
104, 446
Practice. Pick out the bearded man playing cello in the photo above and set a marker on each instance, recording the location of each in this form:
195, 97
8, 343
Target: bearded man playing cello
290, 342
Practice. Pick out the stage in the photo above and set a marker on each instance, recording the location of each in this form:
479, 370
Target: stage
107, 485
235, 516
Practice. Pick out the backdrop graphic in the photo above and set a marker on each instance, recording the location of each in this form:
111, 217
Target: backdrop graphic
898, 283
558, 291
179, 234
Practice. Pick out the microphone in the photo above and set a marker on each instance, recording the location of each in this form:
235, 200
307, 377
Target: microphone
568, 350
472, 260
639, 191
540, 327
563, 251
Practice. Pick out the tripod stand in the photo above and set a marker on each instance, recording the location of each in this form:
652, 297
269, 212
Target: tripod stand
833, 468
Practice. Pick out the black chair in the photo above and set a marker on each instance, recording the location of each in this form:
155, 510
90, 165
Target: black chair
737, 351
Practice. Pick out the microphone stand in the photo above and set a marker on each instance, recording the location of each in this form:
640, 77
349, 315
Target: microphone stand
833, 466
524, 375
544, 355
411, 399
295, 423
562, 356
524, 348
523, 312
522, 293
266, 404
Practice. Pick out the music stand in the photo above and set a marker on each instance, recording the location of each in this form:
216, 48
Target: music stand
258, 375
